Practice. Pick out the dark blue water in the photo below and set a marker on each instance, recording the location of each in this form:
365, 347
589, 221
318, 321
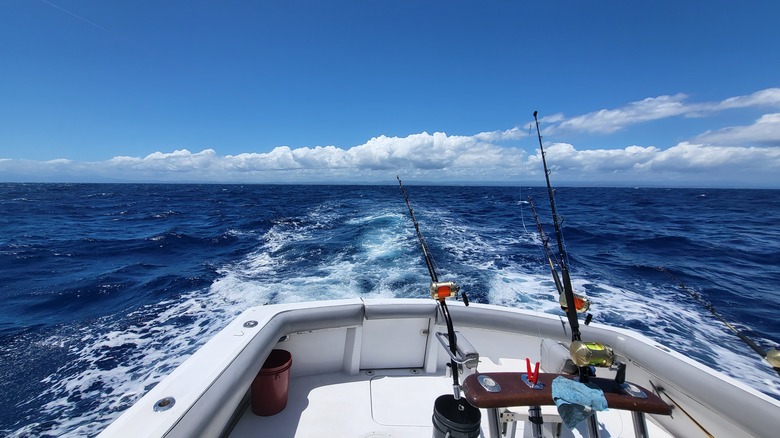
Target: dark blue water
106, 288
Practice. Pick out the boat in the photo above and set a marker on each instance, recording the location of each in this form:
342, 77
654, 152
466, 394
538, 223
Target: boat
374, 368
439, 367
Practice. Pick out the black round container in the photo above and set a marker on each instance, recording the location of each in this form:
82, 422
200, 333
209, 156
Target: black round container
457, 417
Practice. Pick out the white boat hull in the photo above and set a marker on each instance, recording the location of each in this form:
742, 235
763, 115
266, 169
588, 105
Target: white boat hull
368, 345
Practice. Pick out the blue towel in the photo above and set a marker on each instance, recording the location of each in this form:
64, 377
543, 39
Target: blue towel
576, 401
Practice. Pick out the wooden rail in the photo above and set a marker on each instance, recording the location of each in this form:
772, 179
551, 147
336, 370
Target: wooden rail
515, 392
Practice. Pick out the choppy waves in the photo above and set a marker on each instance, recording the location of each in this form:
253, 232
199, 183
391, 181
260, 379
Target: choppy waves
157, 270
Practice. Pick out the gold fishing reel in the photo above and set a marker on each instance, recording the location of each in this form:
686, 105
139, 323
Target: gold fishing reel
595, 354
773, 357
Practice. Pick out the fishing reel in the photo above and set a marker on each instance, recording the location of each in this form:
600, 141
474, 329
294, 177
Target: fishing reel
594, 354
441, 290
773, 357
587, 356
581, 303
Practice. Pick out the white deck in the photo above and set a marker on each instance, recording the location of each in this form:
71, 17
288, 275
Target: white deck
331, 393
391, 403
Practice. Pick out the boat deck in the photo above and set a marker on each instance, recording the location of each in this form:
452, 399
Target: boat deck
374, 368
392, 403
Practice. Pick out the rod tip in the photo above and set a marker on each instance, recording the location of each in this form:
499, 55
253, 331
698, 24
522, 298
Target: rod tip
535, 113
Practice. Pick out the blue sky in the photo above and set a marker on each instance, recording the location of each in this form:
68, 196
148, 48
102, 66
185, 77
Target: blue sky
630, 93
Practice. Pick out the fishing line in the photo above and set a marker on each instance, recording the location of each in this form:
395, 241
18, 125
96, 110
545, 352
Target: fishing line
429, 263
522, 214
551, 259
662, 391
133, 43
772, 356
78, 17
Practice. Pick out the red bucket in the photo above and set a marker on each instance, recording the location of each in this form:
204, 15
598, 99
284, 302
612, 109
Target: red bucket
269, 389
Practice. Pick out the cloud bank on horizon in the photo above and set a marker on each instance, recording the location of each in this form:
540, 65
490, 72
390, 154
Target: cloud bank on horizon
738, 156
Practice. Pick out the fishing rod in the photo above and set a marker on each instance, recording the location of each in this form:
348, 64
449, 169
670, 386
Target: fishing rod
581, 304
568, 290
772, 356
546, 246
428, 259
584, 354
439, 291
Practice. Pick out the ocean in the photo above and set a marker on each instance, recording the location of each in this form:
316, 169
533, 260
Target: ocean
108, 287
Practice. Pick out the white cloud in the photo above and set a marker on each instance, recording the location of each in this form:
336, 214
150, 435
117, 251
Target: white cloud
553, 118
682, 165
731, 156
280, 158
656, 108
59, 161
432, 157
765, 131
768, 97
417, 153
180, 160
686, 157
565, 157
498, 136
606, 121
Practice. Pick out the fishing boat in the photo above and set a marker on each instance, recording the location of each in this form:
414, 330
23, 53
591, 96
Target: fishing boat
439, 367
